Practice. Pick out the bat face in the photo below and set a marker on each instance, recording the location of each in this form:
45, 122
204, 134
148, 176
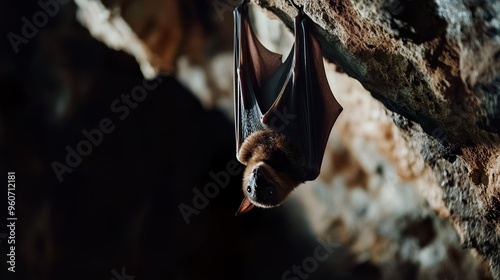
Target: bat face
284, 112
274, 168
266, 187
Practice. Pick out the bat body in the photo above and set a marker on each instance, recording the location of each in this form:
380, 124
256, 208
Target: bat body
284, 112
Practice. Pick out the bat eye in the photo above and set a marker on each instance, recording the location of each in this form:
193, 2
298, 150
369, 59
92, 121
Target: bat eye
270, 192
249, 190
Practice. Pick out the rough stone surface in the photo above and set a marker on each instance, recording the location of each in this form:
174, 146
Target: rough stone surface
434, 64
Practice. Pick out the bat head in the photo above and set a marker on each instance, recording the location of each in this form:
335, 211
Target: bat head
264, 187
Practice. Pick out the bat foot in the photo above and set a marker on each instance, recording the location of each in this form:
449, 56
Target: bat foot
298, 8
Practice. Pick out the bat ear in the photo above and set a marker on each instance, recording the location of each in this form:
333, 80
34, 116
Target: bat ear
245, 206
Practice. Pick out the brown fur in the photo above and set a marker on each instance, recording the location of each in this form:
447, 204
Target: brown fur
258, 147
278, 156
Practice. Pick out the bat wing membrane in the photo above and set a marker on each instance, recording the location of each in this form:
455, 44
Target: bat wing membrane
306, 110
258, 77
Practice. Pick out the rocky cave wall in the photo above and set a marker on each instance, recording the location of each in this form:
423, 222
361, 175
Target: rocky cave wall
410, 177
434, 64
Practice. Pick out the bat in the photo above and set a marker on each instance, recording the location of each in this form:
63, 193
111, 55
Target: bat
284, 112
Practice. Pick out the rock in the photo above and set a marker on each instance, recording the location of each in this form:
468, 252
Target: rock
435, 65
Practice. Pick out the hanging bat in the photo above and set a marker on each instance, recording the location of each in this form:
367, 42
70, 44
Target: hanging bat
284, 112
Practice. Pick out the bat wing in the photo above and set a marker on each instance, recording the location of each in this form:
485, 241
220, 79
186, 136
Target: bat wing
259, 77
306, 110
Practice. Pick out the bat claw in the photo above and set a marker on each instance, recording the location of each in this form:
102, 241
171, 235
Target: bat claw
299, 8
